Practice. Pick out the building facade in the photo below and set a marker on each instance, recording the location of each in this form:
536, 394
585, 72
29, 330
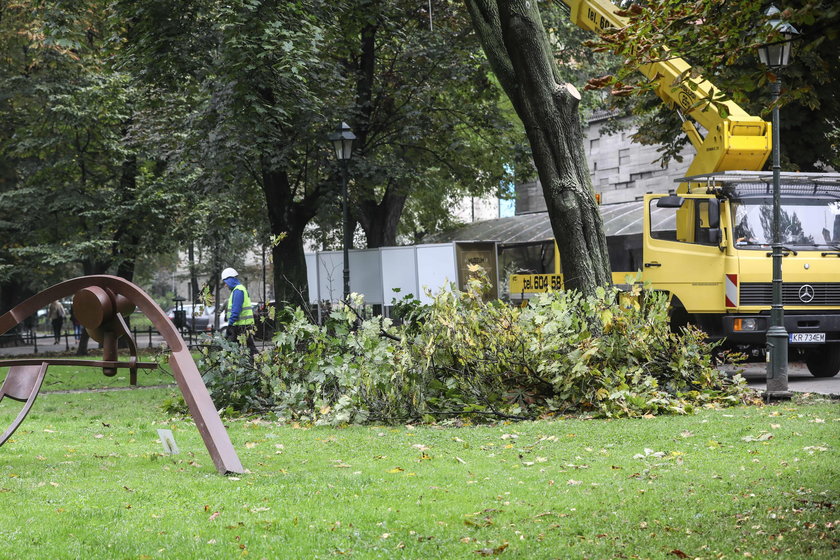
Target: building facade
621, 171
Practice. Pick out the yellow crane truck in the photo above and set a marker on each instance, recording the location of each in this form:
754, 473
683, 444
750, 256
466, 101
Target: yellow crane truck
708, 244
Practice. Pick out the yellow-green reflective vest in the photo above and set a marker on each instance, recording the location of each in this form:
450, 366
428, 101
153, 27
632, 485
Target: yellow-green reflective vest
246, 315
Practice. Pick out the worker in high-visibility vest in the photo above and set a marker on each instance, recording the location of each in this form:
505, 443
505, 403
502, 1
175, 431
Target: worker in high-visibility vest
240, 313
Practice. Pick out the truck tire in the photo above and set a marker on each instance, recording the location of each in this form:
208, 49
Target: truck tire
823, 362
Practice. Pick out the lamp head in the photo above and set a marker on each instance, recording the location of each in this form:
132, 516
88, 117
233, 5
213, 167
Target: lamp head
342, 140
776, 55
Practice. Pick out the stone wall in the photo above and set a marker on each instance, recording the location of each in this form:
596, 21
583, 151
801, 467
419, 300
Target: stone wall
621, 170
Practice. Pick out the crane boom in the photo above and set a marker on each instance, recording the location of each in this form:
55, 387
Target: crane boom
734, 140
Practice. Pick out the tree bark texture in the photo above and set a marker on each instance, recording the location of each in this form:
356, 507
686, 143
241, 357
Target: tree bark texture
516, 44
288, 216
379, 220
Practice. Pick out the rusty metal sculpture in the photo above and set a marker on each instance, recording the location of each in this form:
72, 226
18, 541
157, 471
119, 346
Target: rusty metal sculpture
100, 303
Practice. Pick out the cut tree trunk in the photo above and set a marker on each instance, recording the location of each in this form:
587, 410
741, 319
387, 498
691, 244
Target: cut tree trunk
516, 44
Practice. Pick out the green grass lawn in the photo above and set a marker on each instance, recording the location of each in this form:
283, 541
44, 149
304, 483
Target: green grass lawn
63, 378
84, 477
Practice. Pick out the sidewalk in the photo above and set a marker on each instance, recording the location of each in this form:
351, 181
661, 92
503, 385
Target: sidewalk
68, 345
46, 345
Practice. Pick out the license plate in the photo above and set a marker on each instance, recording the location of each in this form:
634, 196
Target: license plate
807, 337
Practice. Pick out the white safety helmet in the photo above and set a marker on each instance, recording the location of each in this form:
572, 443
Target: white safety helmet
229, 273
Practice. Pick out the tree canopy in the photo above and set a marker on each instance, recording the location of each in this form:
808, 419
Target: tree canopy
159, 122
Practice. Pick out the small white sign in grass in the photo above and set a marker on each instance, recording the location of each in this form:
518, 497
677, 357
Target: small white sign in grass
168, 442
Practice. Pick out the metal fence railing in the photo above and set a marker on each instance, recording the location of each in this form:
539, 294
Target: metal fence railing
27, 341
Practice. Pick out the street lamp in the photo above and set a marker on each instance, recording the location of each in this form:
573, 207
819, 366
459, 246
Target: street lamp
342, 140
776, 56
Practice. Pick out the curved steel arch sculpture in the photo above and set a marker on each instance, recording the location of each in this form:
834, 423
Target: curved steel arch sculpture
100, 303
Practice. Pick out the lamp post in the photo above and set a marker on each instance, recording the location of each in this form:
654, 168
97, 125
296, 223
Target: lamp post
776, 56
342, 140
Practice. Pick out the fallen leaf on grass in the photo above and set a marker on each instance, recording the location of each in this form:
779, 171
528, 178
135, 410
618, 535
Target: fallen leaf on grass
763, 437
649, 453
492, 551
811, 448
395, 470
485, 522
214, 516
678, 553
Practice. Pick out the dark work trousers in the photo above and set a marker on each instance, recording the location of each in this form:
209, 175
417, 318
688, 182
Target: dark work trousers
56, 325
235, 331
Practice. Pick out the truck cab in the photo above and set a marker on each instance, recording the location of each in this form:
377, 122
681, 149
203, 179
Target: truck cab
710, 249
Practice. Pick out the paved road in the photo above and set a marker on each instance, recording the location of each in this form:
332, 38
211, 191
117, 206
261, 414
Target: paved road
799, 379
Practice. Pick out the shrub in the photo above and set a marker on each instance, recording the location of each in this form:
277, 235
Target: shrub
610, 354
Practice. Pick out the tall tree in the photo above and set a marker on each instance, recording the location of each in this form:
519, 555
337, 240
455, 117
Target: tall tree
271, 79
260, 77
426, 114
81, 194
516, 44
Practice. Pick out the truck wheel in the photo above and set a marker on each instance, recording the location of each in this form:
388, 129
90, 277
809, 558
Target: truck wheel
823, 362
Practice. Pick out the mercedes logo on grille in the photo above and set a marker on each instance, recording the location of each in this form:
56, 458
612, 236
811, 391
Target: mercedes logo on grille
806, 293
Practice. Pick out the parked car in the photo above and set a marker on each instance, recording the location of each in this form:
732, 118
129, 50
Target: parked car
197, 318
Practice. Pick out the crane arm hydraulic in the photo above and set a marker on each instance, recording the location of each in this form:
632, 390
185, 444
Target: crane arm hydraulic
733, 138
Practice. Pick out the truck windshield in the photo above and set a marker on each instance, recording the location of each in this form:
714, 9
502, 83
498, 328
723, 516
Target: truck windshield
813, 222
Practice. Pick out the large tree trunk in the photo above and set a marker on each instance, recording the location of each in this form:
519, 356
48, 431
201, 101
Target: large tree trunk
196, 291
288, 218
290, 285
515, 42
380, 221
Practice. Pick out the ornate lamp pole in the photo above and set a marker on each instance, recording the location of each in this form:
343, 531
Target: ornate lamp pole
776, 56
342, 140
